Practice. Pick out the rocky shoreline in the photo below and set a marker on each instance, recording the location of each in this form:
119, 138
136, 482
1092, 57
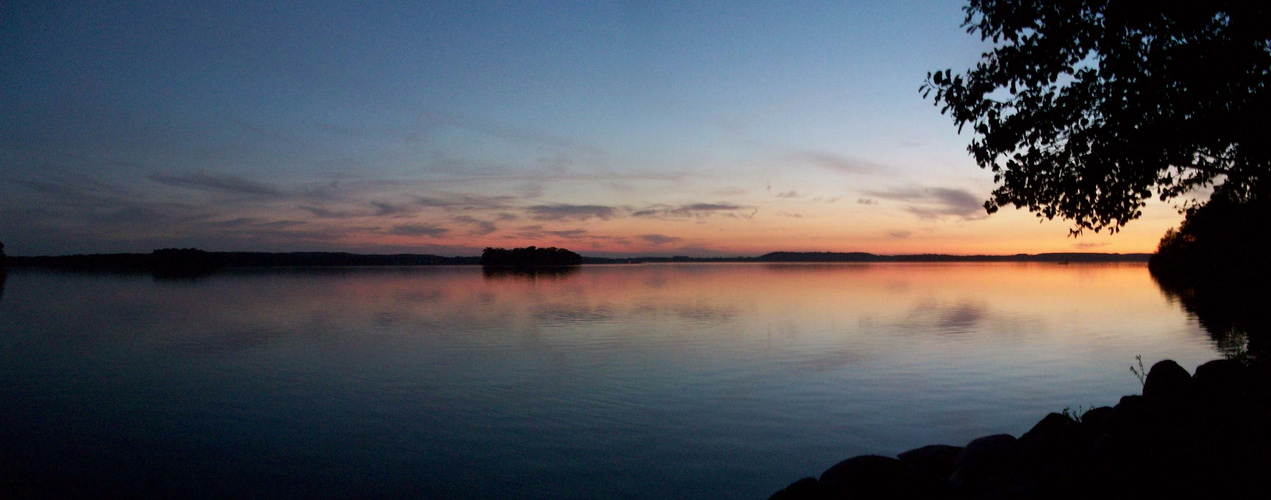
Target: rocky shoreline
1207, 435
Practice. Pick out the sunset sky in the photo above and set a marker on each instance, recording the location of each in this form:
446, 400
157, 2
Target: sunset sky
609, 128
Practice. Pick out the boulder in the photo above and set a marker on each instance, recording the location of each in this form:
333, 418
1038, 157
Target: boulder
807, 488
1131, 414
983, 458
872, 476
1005, 486
1166, 381
1221, 391
1092, 424
934, 462
1096, 417
1055, 438
1053, 426
1220, 377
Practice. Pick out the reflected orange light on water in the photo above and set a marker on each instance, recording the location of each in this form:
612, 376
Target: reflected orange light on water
825, 298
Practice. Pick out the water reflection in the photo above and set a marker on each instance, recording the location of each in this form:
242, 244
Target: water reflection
1236, 315
456, 382
529, 273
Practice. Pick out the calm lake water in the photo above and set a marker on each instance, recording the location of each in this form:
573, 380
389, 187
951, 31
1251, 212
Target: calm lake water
671, 381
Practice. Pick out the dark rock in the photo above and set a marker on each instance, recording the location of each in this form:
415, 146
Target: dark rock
1093, 423
1005, 486
1054, 438
1096, 417
872, 476
987, 448
1065, 479
934, 462
1220, 376
1129, 415
1053, 426
1121, 459
1166, 380
1221, 391
1187, 436
807, 488
983, 458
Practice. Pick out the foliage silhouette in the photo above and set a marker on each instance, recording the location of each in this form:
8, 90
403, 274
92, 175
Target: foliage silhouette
529, 257
1140, 372
1083, 110
1226, 241
1215, 265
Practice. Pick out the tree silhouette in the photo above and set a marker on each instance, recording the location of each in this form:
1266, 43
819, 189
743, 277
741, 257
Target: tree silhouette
1084, 109
1224, 242
529, 257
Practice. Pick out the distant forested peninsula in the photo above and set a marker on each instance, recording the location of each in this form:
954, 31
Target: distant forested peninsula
195, 259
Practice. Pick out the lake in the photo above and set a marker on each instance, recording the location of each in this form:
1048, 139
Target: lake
611, 381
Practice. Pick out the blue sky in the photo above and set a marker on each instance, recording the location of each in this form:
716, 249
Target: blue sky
612, 128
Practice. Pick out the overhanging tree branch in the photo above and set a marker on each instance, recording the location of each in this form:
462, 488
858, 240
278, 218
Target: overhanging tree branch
1084, 109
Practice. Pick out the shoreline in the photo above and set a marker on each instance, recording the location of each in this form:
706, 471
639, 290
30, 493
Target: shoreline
1202, 435
198, 260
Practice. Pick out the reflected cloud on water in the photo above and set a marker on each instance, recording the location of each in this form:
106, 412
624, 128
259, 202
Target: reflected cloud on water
958, 319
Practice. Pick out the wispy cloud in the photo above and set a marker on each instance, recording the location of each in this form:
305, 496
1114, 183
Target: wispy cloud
568, 233
506, 132
218, 183
464, 201
324, 213
659, 239
691, 210
834, 161
866, 201
571, 212
789, 194
383, 209
279, 224
480, 227
418, 230
370, 209
237, 222
936, 203
730, 191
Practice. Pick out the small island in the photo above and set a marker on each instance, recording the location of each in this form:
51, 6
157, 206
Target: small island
529, 257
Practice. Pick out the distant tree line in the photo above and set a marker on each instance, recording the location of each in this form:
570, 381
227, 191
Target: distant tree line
529, 257
1023, 257
191, 259
178, 259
